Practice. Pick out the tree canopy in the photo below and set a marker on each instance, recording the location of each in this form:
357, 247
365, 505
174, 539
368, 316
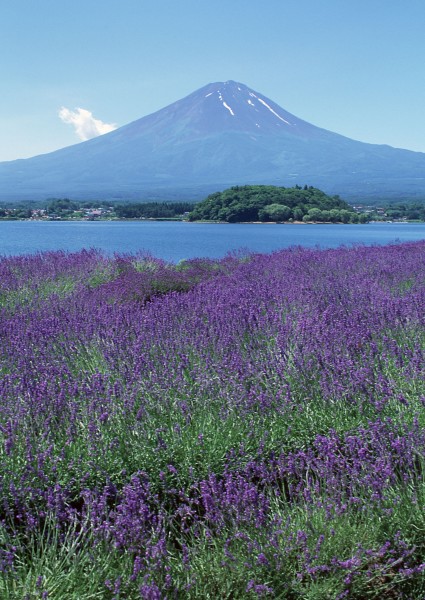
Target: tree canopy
152, 210
272, 203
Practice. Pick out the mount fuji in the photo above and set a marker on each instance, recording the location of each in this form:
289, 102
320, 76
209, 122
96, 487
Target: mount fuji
220, 135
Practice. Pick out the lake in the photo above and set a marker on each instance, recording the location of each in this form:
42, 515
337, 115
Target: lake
174, 241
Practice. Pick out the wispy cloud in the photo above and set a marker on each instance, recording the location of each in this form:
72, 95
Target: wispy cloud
84, 123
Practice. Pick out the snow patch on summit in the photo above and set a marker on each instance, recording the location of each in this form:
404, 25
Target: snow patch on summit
229, 109
272, 111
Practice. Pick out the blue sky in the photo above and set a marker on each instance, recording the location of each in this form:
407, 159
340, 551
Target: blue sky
355, 68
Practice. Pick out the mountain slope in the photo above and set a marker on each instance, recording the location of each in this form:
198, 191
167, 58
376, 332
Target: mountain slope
220, 135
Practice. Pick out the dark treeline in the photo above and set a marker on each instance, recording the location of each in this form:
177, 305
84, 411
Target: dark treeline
240, 203
65, 208
152, 210
271, 203
412, 211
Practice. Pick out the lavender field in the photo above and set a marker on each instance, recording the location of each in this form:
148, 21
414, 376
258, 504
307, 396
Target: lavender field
246, 427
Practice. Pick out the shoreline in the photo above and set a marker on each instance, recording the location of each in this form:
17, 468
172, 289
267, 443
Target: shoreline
204, 222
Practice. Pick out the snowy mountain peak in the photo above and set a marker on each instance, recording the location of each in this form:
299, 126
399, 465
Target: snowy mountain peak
222, 134
220, 107
253, 110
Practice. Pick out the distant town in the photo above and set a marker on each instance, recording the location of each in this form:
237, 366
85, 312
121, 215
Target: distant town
64, 209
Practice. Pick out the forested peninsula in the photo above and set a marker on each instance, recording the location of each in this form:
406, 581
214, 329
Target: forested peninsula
267, 203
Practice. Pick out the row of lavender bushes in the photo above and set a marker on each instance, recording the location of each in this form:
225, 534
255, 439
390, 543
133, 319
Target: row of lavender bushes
238, 428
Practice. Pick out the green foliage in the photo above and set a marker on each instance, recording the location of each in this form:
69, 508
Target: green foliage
58, 566
152, 210
60, 206
275, 212
411, 211
268, 203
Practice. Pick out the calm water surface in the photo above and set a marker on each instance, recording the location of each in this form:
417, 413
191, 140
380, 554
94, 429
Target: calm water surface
174, 241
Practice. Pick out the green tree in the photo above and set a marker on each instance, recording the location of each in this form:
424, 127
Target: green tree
298, 213
275, 212
61, 205
345, 215
334, 215
315, 214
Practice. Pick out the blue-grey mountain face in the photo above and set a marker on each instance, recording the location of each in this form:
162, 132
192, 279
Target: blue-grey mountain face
223, 134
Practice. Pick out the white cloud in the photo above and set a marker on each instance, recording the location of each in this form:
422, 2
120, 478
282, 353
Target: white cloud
86, 126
